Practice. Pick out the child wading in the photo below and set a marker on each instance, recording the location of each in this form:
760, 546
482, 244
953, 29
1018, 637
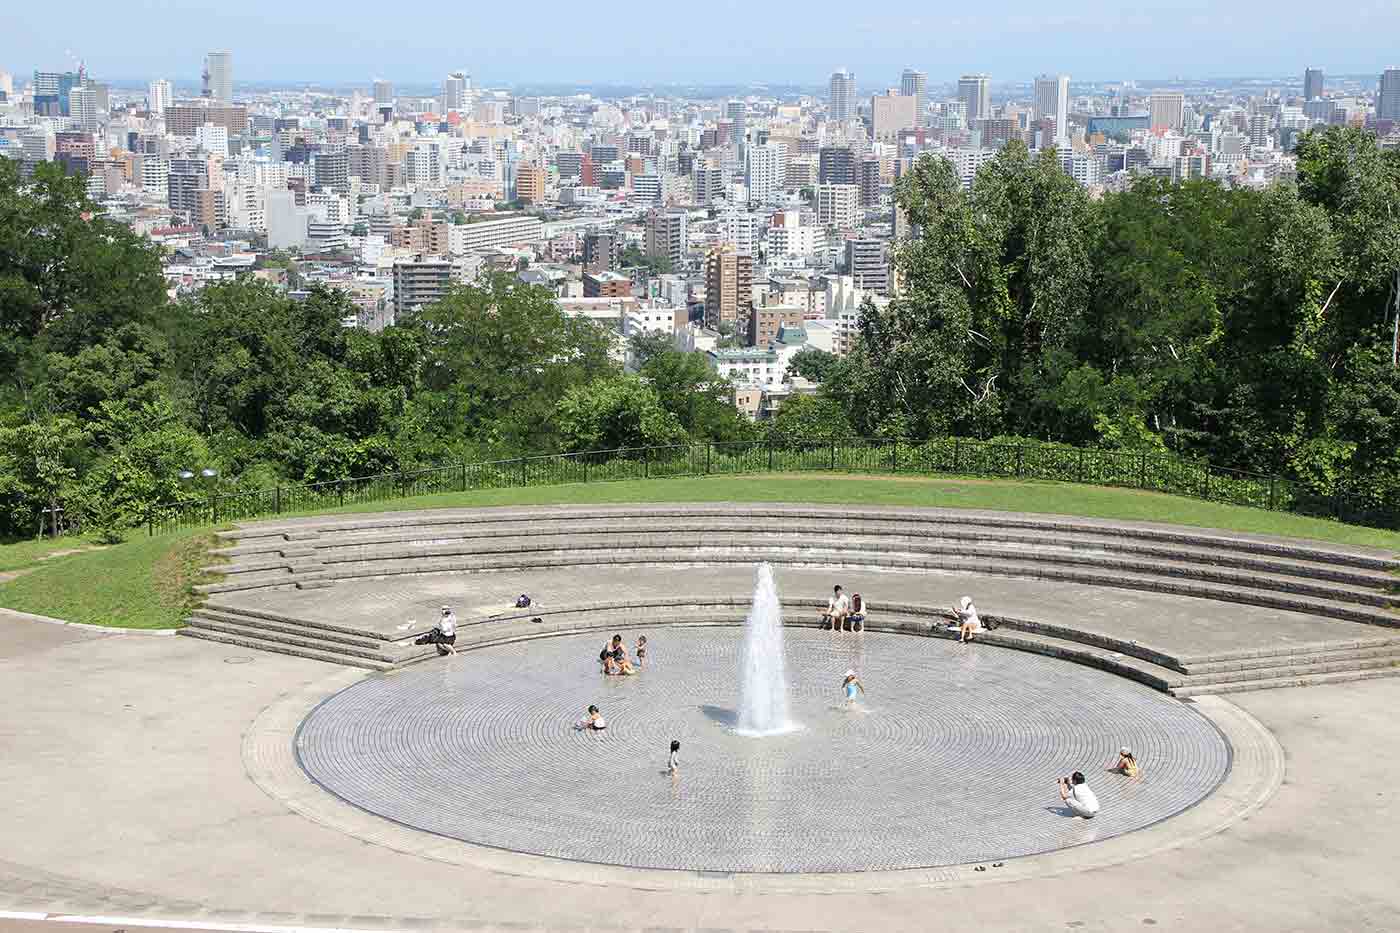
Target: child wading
849, 686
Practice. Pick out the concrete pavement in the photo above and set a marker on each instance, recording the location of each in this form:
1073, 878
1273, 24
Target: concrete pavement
126, 796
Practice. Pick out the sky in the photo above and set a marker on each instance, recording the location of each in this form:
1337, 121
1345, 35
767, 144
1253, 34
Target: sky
710, 42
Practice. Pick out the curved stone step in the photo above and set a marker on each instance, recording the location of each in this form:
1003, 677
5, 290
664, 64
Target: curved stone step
264, 644
1307, 680
342, 641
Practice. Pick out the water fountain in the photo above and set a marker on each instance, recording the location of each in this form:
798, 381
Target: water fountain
763, 706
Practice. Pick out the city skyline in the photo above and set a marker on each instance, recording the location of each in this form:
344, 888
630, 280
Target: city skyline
1157, 42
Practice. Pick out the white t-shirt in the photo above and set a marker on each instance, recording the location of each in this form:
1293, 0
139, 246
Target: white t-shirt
598, 722
969, 617
837, 604
448, 624
1082, 800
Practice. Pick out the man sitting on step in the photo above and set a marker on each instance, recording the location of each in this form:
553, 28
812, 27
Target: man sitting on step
444, 634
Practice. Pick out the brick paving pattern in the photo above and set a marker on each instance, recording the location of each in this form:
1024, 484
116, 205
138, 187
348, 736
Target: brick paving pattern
951, 758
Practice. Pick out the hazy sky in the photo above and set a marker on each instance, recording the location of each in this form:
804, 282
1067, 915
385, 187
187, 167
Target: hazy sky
714, 41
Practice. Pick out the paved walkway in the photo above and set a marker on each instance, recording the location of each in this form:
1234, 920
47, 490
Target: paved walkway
126, 796
1175, 625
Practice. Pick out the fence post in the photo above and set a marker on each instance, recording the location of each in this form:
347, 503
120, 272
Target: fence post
463, 465
1142, 472
833, 455
1020, 465
770, 455
340, 490
957, 452
894, 455
584, 458
646, 463
1207, 483
1272, 481
277, 500
1079, 471
523, 479
708, 447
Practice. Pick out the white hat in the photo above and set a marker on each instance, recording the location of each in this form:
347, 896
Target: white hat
966, 601
850, 673
1125, 751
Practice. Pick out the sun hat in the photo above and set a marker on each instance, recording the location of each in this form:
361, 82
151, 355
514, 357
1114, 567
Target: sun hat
1125, 751
850, 673
966, 601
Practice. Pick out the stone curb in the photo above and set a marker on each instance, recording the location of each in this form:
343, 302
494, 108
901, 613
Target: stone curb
17, 616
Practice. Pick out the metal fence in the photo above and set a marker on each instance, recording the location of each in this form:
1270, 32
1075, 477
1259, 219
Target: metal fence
956, 456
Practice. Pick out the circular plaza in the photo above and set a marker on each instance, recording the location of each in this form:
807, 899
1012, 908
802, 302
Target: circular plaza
950, 758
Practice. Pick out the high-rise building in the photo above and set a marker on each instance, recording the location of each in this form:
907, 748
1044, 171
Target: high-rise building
736, 112
708, 180
763, 171
1388, 95
837, 205
890, 113
602, 252
836, 165
383, 93
530, 183
454, 91
1261, 130
915, 84
1166, 109
159, 96
1312, 83
843, 97
218, 77
869, 181
867, 265
420, 283
975, 92
1052, 102
82, 107
667, 235
728, 286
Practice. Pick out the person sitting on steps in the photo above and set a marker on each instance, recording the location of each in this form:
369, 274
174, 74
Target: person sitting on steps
859, 607
838, 607
443, 635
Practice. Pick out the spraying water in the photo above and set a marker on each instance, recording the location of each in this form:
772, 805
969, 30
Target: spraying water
763, 707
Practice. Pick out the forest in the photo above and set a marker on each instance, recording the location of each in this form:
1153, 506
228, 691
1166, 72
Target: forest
1254, 329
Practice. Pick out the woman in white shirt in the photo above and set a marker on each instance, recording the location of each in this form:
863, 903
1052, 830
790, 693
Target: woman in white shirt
969, 622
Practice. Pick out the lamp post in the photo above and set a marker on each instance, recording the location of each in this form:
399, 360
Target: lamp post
208, 477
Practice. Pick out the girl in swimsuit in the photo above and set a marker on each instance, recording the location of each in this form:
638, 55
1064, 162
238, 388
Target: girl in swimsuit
850, 686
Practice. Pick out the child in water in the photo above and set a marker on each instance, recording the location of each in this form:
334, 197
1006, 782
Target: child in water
641, 651
673, 763
849, 687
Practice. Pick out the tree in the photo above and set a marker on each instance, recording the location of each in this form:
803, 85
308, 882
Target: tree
811, 417
499, 357
632, 255
701, 401
616, 412
39, 463
813, 364
645, 344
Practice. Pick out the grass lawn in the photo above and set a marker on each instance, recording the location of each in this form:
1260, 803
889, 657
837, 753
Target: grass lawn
18, 555
145, 582
142, 583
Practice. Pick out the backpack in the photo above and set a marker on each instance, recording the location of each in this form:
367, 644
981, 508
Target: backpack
523, 602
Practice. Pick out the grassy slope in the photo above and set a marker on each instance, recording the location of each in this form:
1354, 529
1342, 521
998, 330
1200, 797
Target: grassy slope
144, 583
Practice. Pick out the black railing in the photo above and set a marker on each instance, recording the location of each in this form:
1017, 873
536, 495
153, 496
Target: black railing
1155, 472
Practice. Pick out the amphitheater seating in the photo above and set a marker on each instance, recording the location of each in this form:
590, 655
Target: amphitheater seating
1353, 585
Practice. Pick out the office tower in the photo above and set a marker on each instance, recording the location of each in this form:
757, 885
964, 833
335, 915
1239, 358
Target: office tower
915, 84
332, 169
82, 107
602, 252
866, 264
728, 286
1261, 132
843, 97
383, 93
837, 205
836, 165
454, 91
667, 235
1052, 102
218, 77
869, 181
975, 92
890, 113
1166, 109
736, 112
51, 89
1312, 84
1388, 95
707, 178
420, 283
530, 183
763, 171
158, 97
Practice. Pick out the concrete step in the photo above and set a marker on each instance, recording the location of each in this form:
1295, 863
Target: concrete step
327, 627
263, 644
1315, 655
1308, 680
1299, 669
1286, 650
982, 522
300, 629
442, 540
285, 638
679, 557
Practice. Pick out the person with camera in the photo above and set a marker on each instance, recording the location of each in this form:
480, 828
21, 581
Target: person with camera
444, 634
1075, 792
